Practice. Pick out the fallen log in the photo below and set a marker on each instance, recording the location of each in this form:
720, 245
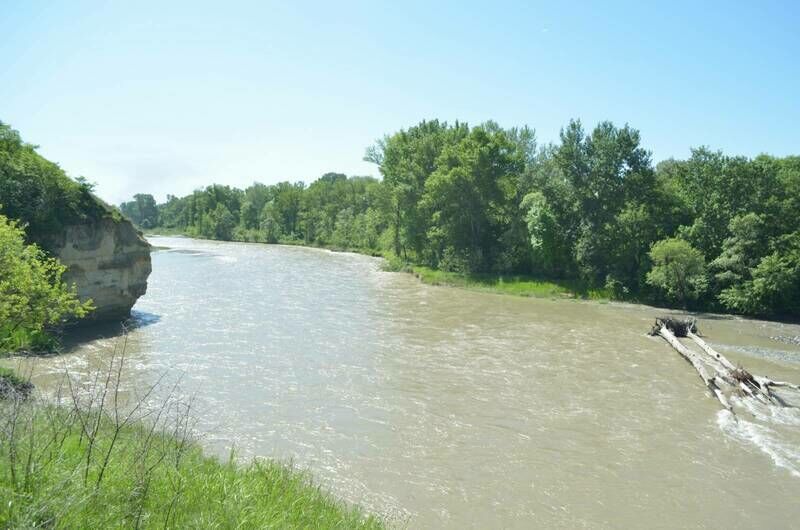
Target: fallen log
694, 360
678, 327
710, 351
724, 375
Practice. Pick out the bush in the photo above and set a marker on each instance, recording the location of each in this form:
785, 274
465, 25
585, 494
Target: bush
33, 297
679, 270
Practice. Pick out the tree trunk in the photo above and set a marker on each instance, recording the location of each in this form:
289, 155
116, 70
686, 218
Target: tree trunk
717, 372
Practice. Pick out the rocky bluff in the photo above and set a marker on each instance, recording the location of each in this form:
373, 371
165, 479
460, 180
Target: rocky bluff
109, 262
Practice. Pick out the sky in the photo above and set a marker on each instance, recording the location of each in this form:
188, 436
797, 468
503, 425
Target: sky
165, 97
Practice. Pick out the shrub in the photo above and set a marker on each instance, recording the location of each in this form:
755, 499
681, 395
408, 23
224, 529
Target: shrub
33, 297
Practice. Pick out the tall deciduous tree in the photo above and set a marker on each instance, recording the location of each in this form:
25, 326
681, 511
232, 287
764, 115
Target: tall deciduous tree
678, 269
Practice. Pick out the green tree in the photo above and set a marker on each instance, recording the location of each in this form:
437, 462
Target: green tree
679, 270
742, 251
774, 287
470, 198
222, 223
607, 171
142, 210
270, 223
33, 297
406, 160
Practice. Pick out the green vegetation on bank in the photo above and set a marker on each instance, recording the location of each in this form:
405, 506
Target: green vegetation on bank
37, 199
470, 205
33, 297
517, 285
514, 285
13, 385
88, 461
77, 467
39, 195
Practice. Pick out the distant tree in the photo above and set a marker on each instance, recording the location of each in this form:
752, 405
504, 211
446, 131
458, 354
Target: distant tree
270, 223
406, 160
487, 199
607, 171
142, 210
222, 223
679, 270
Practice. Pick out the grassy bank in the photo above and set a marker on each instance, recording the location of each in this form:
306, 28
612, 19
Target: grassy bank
503, 284
517, 285
89, 463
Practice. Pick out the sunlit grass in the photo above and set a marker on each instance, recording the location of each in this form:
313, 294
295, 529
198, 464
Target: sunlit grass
507, 284
169, 486
93, 460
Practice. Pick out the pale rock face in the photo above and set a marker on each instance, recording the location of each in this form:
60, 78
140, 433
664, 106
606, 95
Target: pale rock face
109, 262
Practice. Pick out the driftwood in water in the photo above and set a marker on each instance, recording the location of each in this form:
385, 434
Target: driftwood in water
716, 371
695, 361
678, 327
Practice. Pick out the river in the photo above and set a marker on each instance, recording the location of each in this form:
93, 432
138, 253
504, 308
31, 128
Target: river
440, 407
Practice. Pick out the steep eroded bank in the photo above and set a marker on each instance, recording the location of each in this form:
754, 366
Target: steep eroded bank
109, 262
107, 258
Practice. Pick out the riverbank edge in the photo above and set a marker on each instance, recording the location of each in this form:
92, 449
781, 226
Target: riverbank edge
506, 284
501, 284
183, 486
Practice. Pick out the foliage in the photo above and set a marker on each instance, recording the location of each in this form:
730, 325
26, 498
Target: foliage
773, 287
488, 201
33, 297
470, 201
142, 210
38, 193
334, 211
678, 269
518, 285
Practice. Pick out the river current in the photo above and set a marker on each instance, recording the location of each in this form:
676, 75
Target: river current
439, 407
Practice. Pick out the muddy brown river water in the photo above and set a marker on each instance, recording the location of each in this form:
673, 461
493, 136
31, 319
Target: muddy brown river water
445, 408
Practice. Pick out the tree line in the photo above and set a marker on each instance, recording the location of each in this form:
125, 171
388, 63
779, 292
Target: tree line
711, 232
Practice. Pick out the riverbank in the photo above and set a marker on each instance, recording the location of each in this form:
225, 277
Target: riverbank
515, 285
507, 284
73, 467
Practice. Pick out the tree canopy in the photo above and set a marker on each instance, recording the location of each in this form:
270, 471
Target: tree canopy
591, 207
39, 194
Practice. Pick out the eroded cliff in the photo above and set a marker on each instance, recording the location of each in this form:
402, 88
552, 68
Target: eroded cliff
108, 261
106, 257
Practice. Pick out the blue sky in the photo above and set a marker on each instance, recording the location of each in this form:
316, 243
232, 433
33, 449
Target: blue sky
164, 97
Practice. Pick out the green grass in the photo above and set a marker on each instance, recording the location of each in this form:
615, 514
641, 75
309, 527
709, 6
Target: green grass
69, 466
10, 377
507, 284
